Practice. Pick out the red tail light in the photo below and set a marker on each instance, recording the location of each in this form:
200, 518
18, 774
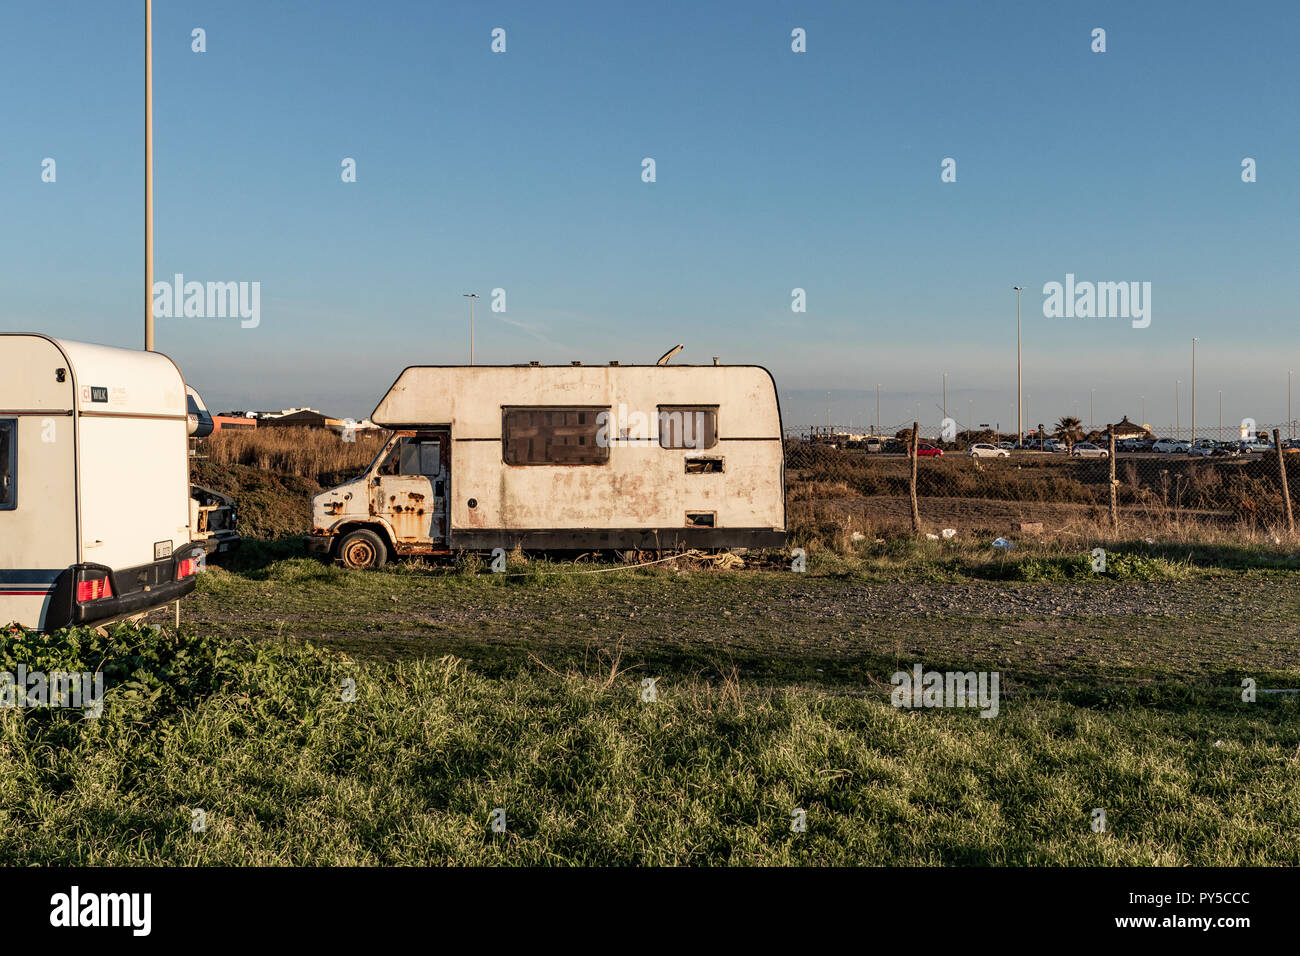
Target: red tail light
93, 590
187, 567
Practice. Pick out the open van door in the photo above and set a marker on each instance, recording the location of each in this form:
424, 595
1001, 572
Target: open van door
410, 489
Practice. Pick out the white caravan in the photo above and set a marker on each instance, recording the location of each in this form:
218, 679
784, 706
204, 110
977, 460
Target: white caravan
568, 457
94, 483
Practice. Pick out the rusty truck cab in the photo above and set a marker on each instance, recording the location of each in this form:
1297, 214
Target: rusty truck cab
397, 507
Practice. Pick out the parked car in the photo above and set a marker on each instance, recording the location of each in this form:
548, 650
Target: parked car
1168, 446
1204, 447
1086, 449
873, 445
1257, 445
926, 450
985, 450
1008, 445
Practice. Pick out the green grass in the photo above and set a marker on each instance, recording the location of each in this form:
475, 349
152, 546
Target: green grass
587, 773
522, 691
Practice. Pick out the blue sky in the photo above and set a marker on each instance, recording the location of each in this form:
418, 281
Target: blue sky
775, 171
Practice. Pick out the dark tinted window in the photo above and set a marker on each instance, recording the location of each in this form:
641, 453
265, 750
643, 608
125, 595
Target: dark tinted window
688, 426
8, 464
553, 436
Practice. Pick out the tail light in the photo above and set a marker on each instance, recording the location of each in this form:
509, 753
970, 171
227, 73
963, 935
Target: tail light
187, 567
93, 590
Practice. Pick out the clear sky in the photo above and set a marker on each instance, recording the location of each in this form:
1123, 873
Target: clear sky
775, 170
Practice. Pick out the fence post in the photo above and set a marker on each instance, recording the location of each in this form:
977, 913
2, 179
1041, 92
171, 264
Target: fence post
916, 512
1281, 470
1114, 491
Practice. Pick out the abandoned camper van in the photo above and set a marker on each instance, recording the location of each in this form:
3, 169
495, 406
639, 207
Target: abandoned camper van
94, 483
644, 457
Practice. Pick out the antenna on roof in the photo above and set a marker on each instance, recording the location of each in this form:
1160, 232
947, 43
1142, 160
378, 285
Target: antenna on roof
663, 359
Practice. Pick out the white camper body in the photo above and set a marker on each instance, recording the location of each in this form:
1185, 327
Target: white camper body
94, 483
565, 457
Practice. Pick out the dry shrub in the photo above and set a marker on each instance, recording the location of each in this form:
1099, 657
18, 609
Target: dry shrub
315, 453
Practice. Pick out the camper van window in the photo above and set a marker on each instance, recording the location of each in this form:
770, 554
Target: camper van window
553, 436
8, 465
688, 426
421, 458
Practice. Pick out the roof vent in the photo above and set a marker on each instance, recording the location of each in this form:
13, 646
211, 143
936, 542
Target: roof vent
534, 364
613, 363
575, 362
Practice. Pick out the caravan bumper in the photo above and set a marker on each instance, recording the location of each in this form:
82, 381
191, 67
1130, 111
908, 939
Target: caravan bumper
135, 591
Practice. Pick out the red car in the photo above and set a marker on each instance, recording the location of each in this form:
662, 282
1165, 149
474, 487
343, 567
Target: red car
924, 450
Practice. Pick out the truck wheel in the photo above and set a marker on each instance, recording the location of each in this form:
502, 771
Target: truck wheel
363, 550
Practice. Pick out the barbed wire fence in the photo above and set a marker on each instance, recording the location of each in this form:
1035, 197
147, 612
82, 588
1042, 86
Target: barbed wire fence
842, 483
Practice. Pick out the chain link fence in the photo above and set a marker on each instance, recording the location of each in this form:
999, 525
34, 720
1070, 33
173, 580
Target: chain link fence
843, 485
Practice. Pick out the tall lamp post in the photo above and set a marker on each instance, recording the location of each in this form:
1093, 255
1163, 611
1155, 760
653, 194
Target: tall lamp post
877, 409
1178, 409
1194, 341
148, 175
471, 296
1020, 399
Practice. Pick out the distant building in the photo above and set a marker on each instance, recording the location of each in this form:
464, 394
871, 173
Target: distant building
233, 423
301, 418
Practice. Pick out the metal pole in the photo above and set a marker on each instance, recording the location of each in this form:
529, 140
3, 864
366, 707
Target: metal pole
148, 176
945, 396
1194, 341
1289, 432
877, 409
471, 296
1020, 400
1220, 414
1178, 409
1092, 401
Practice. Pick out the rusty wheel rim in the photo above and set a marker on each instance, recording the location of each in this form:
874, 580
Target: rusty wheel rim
360, 554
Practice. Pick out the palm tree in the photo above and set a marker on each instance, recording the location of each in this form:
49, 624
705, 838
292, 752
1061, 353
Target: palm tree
1069, 430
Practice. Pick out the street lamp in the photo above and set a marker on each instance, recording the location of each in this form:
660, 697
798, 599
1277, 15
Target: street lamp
1020, 400
471, 296
1178, 409
1194, 341
148, 178
877, 409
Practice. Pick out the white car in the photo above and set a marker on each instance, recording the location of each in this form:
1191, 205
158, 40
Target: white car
1086, 449
1166, 446
985, 450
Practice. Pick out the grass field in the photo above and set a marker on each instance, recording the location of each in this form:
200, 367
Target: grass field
522, 691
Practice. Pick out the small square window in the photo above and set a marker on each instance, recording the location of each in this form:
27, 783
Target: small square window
688, 426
